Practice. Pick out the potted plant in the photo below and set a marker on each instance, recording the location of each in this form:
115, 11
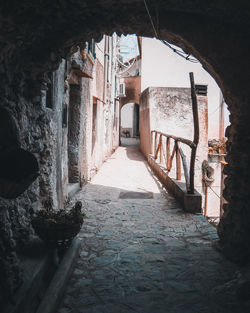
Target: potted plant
58, 228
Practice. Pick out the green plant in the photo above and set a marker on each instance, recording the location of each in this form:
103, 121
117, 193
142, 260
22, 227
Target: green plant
58, 227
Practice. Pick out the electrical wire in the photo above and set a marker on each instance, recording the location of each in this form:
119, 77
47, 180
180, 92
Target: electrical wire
151, 20
99, 48
127, 67
180, 52
177, 51
214, 111
213, 191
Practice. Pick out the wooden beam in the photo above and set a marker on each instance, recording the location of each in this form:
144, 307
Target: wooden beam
155, 143
183, 140
96, 98
158, 148
161, 152
185, 167
196, 132
171, 159
151, 143
168, 152
178, 163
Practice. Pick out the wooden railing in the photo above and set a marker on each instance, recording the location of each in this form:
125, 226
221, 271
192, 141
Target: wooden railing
161, 146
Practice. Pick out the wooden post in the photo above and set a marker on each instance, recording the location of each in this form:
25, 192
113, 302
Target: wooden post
161, 151
155, 143
168, 152
196, 132
171, 159
158, 148
185, 167
206, 196
178, 163
151, 143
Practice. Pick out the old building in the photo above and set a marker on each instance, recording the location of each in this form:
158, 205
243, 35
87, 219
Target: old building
37, 39
170, 113
77, 129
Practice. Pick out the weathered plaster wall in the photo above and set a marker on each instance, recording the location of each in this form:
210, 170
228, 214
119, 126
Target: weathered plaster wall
127, 115
170, 111
161, 67
214, 200
86, 129
132, 89
145, 123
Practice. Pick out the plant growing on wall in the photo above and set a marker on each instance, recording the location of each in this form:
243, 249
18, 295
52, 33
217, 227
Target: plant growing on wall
58, 228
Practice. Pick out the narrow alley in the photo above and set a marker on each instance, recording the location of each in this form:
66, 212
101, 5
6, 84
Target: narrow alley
141, 253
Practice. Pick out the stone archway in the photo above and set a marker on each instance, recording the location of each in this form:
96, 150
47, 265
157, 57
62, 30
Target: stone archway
129, 115
215, 33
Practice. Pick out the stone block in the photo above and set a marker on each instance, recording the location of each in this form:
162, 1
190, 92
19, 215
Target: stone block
191, 202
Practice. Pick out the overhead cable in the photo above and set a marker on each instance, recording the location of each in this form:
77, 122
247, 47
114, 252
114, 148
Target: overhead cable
177, 51
180, 52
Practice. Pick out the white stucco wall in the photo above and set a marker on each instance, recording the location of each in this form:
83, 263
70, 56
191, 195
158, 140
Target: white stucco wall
100, 46
161, 67
127, 113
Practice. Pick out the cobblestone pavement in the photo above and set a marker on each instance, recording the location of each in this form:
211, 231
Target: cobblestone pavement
145, 255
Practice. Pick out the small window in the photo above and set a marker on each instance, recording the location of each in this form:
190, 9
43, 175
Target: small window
201, 90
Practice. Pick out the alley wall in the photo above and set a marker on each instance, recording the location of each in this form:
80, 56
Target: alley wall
169, 110
56, 126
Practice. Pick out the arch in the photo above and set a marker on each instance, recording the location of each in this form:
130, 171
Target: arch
129, 115
215, 34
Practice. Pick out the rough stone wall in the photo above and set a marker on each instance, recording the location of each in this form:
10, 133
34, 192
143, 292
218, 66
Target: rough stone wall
86, 129
40, 132
36, 35
43, 130
234, 225
15, 214
33, 121
80, 66
74, 123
